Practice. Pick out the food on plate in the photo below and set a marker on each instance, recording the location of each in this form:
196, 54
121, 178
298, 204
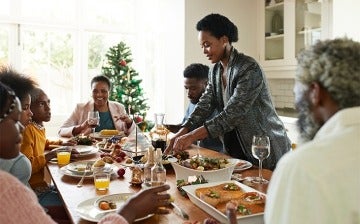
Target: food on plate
109, 132
205, 163
81, 140
108, 159
80, 167
106, 205
250, 198
123, 140
128, 161
99, 163
181, 155
219, 193
219, 196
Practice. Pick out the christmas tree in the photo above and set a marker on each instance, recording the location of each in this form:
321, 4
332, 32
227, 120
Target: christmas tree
126, 87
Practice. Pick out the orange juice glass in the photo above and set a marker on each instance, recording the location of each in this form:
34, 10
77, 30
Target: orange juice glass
102, 181
63, 156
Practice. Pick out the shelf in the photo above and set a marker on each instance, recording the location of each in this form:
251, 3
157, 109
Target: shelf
279, 36
309, 31
274, 7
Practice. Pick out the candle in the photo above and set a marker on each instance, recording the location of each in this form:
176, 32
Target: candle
128, 75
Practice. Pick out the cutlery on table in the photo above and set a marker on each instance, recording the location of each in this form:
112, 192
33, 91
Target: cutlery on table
87, 169
177, 210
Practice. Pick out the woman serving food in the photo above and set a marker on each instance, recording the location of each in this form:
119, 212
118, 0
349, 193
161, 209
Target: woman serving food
112, 114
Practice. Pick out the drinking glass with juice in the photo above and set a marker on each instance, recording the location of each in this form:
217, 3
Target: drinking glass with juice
101, 181
63, 156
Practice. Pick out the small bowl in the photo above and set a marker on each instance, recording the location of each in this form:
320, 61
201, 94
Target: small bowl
224, 174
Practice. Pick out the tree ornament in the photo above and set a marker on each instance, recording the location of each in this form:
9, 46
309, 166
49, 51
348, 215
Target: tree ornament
122, 62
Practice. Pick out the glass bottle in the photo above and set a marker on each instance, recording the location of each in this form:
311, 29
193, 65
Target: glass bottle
159, 132
158, 172
148, 165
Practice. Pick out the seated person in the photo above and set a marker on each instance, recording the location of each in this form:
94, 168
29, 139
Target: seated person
21, 85
112, 114
34, 145
18, 166
320, 182
195, 82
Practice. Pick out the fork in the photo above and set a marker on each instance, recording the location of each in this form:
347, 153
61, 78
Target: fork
87, 168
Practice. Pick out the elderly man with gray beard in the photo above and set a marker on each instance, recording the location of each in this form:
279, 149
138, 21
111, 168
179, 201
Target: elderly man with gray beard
319, 182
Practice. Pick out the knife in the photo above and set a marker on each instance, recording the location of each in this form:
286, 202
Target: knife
177, 210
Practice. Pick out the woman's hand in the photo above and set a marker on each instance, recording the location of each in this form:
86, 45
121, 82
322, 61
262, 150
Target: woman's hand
183, 142
80, 129
146, 202
169, 148
124, 118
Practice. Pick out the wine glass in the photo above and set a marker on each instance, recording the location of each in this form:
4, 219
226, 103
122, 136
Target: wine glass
93, 119
197, 156
260, 149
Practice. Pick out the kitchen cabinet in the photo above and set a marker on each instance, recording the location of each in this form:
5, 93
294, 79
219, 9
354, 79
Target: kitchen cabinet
287, 27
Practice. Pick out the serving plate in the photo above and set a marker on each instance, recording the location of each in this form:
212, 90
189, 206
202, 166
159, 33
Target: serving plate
224, 174
242, 165
89, 210
100, 136
248, 219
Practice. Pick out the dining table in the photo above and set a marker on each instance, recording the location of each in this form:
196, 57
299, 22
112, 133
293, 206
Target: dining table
72, 195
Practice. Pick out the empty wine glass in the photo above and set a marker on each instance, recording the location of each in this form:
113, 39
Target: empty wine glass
93, 119
260, 149
197, 156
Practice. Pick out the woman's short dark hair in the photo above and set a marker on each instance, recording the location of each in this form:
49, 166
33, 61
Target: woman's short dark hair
101, 78
218, 25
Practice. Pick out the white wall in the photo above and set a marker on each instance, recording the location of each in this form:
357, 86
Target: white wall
346, 17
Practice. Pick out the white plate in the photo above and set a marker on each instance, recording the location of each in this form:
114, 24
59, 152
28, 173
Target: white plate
64, 170
242, 165
73, 167
88, 211
248, 219
84, 150
98, 135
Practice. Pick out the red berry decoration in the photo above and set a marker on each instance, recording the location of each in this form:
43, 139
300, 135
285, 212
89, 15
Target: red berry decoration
121, 172
119, 159
122, 62
122, 154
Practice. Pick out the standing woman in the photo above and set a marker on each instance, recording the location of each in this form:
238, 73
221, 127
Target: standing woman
112, 114
238, 90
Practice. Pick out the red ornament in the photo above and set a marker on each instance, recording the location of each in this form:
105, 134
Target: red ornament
122, 62
138, 119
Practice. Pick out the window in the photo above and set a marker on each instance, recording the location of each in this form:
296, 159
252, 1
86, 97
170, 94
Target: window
62, 44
